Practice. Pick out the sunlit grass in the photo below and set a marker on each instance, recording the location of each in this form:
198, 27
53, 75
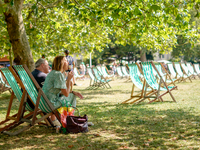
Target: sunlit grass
166, 125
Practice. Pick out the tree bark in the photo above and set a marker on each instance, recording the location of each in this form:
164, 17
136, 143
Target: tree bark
143, 57
17, 34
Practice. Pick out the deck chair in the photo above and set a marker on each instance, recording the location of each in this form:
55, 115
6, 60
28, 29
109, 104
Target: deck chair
77, 74
151, 82
20, 117
181, 72
4, 86
135, 77
166, 77
99, 77
105, 73
172, 72
196, 68
94, 83
191, 69
100, 69
125, 71
119, 72
186, 70
35, 94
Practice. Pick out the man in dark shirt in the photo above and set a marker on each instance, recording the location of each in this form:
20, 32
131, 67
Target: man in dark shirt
40, 74
41, 71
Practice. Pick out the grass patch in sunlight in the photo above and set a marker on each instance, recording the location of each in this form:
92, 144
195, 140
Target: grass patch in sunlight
160, 125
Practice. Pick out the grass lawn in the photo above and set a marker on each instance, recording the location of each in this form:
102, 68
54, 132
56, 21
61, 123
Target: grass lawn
160, 125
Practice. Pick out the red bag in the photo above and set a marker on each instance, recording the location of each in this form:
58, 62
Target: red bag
64, 112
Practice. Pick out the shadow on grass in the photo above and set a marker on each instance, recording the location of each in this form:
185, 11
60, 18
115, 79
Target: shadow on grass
137, 126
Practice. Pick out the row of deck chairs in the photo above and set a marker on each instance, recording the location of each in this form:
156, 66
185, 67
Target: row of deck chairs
24, 85
156, 79
150, 86
98, 78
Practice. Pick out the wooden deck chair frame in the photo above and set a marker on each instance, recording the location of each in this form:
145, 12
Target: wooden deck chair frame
105, 73
157, 94
99, 77
173, 72
94, 83
185, 74
196, 69
40, 95
186, 70
137, 83
119, 72
179, 72
18, 118
168, 77
191, 69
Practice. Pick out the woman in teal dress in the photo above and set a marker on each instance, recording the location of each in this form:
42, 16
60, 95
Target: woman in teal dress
56, 87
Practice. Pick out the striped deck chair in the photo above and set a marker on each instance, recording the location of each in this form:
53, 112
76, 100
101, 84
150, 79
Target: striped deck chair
151, 82
166, 77
94, 83
135, 77
172, 72
119, 72
99, 77
125, 71
196, 68
100, 69
181, 72
191, 69
77, 74
186, 70
18, 118
105, 73
36, 95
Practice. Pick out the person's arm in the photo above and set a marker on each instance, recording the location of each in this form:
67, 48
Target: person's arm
67, 91
73, 64
78, 94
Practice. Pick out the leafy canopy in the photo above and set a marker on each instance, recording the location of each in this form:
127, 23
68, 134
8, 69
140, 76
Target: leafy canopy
82, 25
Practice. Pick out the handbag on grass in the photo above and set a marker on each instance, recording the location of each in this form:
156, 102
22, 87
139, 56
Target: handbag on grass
75, 124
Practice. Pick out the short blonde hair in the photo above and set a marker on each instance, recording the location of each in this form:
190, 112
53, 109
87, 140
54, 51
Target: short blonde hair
58, 63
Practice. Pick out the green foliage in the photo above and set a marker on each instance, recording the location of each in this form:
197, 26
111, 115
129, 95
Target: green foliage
84, 25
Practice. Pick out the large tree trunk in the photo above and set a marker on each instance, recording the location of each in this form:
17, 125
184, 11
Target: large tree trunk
143, 57
17, 34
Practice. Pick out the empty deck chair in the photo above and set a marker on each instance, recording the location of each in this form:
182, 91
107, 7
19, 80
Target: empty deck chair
172, 72
166, 77
105, 73
196, 68
94, 83
186, 70
152, 83
20, 117
125, 71
181, 72
135, 77
99, 77
191, 69
119, 72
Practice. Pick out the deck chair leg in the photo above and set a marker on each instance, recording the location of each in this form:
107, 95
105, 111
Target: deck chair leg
10, 104
36, 107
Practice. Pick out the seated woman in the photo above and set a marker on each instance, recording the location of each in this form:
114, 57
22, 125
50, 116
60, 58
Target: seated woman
56, 88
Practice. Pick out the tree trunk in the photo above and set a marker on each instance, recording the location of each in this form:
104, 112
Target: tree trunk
143, 56
17, 35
